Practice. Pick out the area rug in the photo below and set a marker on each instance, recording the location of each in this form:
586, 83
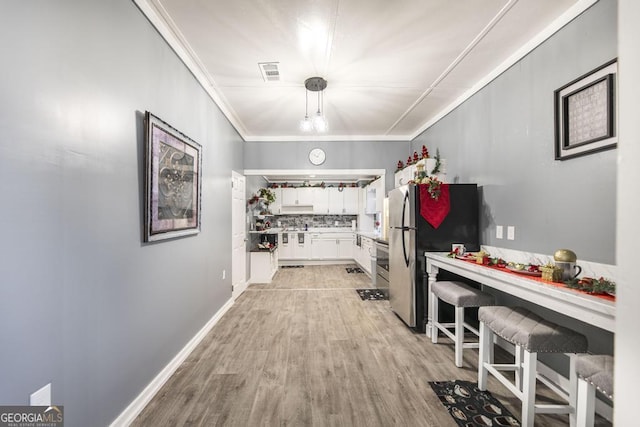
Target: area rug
354, 270
469, 406
372, 294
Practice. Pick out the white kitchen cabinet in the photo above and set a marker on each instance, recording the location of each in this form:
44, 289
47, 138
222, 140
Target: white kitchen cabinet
404, 176
343, 201
289, 196
363, 253
305, 196
296, 246
350, 201
286, 245
407, 174
335, 200
264, 264
276, 206
320, 201
323, 248
366, 253
297, 200
297, 196
302, 246
344, 247
374, 196
332, 246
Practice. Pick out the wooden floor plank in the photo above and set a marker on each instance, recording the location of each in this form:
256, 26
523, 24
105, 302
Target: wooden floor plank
305, 350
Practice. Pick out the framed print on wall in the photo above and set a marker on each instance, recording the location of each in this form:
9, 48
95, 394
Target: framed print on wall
585, 113
173, 182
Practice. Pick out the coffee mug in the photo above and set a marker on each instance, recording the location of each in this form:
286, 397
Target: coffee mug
458, 248
570, 270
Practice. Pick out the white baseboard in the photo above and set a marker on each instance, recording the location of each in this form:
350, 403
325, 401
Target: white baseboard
138, 404
241, 288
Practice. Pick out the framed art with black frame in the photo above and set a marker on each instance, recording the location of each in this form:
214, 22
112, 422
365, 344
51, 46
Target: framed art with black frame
173, 182
585, 113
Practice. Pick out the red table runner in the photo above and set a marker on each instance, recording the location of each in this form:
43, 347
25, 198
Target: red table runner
541, 280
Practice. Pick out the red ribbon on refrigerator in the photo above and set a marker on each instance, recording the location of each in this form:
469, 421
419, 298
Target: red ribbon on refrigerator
434, 211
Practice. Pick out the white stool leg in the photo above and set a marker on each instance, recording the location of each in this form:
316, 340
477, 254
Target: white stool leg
585, 404
434, 319
518, 362
459, 334
573, 389
484, 354
529, 388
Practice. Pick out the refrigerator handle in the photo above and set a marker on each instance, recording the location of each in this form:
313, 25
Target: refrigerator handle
404, 229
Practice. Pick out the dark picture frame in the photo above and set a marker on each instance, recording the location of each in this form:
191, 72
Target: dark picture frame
173, 182
585, 113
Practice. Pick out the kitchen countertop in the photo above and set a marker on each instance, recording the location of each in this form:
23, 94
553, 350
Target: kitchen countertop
318, 230
266, 250
369, 234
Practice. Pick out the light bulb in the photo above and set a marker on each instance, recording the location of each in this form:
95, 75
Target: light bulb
319, 123
305, 124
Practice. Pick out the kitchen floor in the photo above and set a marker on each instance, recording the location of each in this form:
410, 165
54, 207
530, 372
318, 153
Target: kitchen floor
306, 350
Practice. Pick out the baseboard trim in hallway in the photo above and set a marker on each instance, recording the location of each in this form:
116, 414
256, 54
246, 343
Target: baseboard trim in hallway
139, 403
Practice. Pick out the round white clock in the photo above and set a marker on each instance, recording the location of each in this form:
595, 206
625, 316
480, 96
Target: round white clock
317, 156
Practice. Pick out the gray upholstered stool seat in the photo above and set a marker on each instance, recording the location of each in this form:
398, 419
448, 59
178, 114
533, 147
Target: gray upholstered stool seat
460, 295
594, 372
531, 334
597, 370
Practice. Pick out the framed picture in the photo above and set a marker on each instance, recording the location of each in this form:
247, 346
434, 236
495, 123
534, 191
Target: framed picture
173, 182
585, 113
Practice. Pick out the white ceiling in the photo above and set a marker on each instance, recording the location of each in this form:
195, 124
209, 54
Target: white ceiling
393, 67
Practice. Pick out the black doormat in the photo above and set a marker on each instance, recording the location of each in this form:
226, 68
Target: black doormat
292, 266
354, 270
372, 294
469, 406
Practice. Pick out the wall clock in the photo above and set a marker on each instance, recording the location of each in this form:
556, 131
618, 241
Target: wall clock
317, 156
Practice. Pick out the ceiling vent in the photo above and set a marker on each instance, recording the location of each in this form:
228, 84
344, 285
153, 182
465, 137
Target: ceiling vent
269, 71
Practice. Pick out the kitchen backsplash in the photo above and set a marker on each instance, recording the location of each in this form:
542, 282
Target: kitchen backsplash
313, 221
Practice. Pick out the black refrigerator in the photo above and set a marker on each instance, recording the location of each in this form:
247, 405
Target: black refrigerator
410, 236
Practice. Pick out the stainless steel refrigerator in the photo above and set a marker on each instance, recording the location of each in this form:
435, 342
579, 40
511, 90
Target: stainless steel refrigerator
410, 236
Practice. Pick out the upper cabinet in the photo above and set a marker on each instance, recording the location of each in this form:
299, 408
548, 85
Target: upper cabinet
343, 201
374, 196
320, 201
407, 174
297, 196
276, 206
317, 201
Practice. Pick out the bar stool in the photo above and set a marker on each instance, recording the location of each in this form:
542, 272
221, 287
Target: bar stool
531, 335
594, 372
460, 295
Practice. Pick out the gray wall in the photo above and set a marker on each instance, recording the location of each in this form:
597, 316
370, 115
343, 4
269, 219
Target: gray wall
83, 303
502, 138
340, 155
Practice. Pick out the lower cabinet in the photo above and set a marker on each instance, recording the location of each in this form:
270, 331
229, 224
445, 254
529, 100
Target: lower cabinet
316, 246
364, 253
294, 246
326, 246
322, 248
344, 248
264, 265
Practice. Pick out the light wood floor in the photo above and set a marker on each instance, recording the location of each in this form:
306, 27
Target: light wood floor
306, 351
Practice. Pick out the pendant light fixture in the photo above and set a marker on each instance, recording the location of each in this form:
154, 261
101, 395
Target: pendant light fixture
319, 122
